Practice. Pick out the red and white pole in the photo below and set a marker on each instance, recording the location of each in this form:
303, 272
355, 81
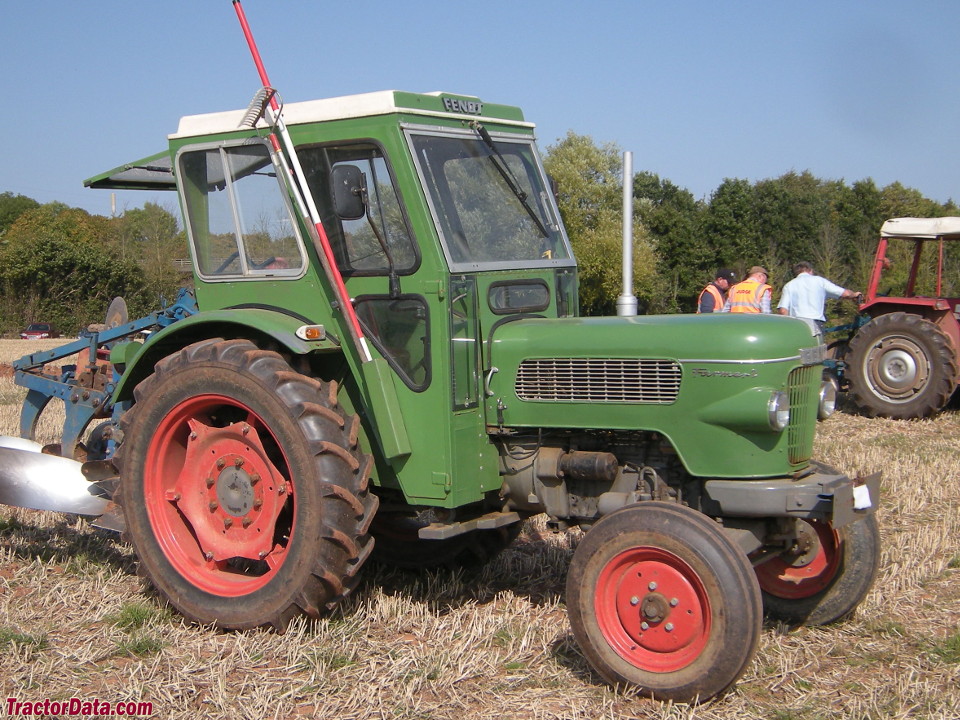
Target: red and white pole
298, 183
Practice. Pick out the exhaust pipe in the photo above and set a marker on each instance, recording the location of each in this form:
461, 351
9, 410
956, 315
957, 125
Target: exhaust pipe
627, 302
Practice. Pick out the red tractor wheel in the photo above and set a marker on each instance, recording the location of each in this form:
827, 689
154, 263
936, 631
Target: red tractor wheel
901, 366
825, 575
244, 491
659, 598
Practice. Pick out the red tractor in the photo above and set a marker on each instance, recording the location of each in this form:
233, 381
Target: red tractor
903, 362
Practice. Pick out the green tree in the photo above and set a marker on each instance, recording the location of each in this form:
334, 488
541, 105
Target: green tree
590, 197
60, 265
152, 237
685, 257
13, 206
899, 201
731, 225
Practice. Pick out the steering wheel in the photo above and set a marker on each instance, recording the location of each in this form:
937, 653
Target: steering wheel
228, 262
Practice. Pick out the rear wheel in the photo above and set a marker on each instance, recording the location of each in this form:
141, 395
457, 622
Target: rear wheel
825, 575
243, 487
901, 366
659, 598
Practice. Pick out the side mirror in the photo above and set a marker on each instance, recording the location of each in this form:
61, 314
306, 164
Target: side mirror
347, 184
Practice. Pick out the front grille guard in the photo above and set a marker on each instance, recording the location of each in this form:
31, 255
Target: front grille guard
599, 380
803, 401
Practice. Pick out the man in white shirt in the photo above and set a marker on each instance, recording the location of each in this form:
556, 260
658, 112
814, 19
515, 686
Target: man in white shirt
805, 295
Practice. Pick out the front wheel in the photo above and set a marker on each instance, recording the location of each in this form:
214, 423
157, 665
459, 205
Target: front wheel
825, 575
243, 487
659, 598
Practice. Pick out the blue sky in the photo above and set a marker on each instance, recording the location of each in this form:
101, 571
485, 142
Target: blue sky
698, 91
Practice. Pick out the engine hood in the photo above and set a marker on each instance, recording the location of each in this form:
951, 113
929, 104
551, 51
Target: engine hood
702, 381
736, 339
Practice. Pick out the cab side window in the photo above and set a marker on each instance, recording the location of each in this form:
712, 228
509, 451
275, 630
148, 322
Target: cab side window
238, 213
355, 241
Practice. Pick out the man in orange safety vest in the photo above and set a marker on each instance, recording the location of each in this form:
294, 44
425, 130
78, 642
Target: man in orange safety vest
750, 296
714, 295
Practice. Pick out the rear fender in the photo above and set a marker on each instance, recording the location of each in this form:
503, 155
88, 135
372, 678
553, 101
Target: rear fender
277, 331
267, 328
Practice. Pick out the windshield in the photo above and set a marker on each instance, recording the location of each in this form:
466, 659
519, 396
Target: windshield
492, 209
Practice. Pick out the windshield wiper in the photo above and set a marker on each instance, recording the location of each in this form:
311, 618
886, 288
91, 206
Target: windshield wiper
501, 165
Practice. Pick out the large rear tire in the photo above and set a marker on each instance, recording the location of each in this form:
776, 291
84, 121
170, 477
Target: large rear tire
901, 366
660, 599
825, 576
243, 487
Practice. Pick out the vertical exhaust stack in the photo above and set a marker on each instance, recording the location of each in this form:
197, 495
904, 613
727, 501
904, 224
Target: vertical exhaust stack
627, 302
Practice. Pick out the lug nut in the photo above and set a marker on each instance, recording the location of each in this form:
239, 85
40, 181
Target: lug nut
246, 522
634, 600
208, 555
228, 523
213, 505
254, 479
220, 463
210, 482
652, 586
644, 626
674, 602
257, 503
238, 462
668, 627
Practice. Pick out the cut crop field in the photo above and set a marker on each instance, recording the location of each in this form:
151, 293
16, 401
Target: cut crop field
77, 622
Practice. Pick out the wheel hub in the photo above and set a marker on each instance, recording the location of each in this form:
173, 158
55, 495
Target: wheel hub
897, 369
655, 608
652, 608
235, 492
807, 568
230, 493
805, 549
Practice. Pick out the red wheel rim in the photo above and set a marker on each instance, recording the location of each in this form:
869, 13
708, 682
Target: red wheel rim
809, 570
219, 495
652, 609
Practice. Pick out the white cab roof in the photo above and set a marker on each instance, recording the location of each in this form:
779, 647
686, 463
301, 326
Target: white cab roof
349, 106
932, 228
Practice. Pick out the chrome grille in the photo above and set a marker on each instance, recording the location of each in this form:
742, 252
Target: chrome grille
599, 380
803, 390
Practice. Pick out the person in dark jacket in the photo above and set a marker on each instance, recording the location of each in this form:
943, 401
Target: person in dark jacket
714, 295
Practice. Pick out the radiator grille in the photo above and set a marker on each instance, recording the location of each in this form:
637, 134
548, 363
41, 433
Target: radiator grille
599, 380
803, 407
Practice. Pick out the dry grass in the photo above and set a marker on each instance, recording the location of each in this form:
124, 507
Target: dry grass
75, 621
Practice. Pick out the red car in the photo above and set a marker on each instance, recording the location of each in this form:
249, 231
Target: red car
39, 331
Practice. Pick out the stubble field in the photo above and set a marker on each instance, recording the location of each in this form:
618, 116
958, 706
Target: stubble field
76, 621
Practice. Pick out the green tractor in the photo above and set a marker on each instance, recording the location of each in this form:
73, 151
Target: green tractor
384, 358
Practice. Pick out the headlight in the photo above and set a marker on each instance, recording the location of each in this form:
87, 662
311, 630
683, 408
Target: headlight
778, 411
828, 398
